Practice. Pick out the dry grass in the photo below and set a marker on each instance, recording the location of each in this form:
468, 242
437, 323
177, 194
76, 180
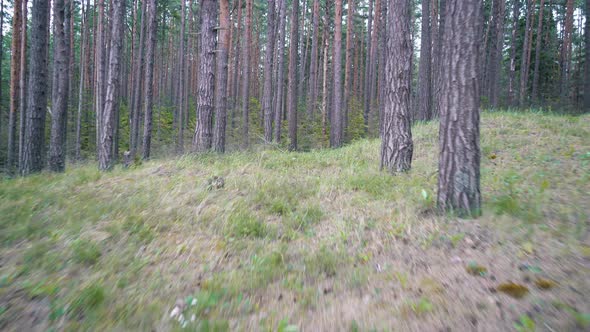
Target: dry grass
318, 241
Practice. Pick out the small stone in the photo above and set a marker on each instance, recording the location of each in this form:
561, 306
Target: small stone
174, 312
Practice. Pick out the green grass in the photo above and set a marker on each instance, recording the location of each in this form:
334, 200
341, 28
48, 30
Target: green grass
289, 235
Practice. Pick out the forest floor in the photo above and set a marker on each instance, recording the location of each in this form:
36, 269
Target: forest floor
314, 241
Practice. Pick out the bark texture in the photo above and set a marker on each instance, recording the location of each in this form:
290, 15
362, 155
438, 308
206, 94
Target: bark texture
459, 159
149, 79
204, 130
15, 72
105, 146
396, 139
57, 143
34, 138
222, 77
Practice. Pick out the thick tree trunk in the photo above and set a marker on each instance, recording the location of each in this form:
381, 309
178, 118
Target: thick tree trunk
313, 67
459, 159
105, 161
496, 46
204, 129
222, 76
396, 141
336, 137
292, 88
246, 75
149, 78
15, 74
424, 95
268, 69
59, 104
535, 93
278, 110
34, 139
513, 45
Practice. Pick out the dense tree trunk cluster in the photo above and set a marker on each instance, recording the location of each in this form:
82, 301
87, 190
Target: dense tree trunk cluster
235, 73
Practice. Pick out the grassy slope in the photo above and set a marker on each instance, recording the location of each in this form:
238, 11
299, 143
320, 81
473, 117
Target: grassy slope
320, 240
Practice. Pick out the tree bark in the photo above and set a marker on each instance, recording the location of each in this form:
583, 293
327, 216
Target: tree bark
459, 158
396, 141
23, 87
268, 69
34, 139
424, 95
337, 114
105, 160
204, 129
57, 143
292, 88
15, 74
222, 76
81, 95
278, 111
149, 79
99, 84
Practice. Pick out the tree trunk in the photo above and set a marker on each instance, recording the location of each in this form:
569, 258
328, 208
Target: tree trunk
57, 143
313, 67
34, 139
278, 111
114, 68
459, 158
23, 87
137, 90
149, 78
81, 94
396, 141
325, 81
513, 46
246, 75
204, 130
566, 51
437, 71
100, 55
337, 114
525, 58
424, 95
497, 45
15, 74
222, 76
268, 68
367, 79
181, 82
348, 62
535, 93
292, 88
236, 74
